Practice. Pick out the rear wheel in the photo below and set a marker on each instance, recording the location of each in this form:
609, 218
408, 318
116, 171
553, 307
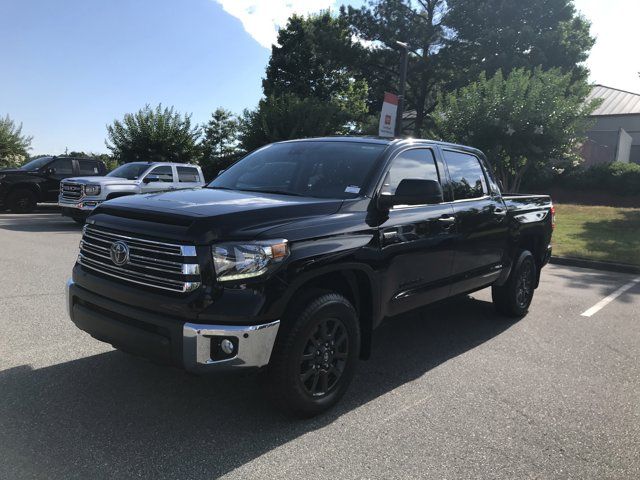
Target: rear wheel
315, 355
514, 297
22, 201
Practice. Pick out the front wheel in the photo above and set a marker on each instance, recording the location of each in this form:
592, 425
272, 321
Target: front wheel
315, 355
22, 201
514, 297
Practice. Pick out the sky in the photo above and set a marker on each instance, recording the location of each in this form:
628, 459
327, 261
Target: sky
68, 68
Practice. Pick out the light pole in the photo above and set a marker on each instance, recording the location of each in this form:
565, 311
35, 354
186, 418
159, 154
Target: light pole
404, 58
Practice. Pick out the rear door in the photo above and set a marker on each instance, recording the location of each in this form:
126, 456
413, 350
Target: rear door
481, 220
188, 177
160, 178
56, 171
416, 241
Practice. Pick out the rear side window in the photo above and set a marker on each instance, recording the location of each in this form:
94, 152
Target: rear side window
164, 173
188, 174
466, 174
89, 167
63, 166
418, 164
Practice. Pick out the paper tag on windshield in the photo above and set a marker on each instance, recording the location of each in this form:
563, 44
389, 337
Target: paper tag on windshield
352, 189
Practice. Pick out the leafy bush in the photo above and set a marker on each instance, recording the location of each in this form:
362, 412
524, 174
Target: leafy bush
617, 178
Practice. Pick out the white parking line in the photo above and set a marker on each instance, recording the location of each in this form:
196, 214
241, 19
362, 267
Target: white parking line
607, 300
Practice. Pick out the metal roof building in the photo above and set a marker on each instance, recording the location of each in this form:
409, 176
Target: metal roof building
615, 135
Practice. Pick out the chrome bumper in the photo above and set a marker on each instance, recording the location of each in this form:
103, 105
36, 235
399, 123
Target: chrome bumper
252, 343
84, 204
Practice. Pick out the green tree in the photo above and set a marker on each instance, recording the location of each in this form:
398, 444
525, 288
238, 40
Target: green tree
154, 135
288, 116
488, 35
14, 146
522, 121
418, 24
221, 142
316, 58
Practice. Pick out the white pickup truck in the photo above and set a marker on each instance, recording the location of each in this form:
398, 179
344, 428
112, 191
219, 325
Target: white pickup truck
80, 195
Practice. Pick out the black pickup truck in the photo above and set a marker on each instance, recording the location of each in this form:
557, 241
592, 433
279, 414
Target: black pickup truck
39, 180
291, 258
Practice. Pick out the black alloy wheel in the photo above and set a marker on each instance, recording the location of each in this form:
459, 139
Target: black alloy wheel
514, 296
22, 201
524, 284
315, 355
324, 357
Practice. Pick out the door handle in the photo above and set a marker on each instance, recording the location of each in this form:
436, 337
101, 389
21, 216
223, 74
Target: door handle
447, 219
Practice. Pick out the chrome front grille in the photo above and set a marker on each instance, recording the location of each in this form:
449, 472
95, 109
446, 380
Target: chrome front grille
71, 191
151, 263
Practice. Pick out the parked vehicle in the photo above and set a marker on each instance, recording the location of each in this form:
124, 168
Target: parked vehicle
80, 195
39, 180
294, 255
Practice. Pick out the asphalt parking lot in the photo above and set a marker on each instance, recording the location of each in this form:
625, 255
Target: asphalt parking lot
452, 391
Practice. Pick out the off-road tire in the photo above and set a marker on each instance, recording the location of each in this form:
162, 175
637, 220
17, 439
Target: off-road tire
299, 331
514, 297
22, 201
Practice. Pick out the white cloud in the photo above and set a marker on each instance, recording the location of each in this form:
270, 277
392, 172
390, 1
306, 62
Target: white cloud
262, 18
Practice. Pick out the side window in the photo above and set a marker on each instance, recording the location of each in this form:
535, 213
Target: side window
188, 174
89, 167
164, 173
63, 166
417, 163
466, 174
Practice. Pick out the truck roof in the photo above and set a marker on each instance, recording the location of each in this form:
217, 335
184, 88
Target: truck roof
166, 163
389, 141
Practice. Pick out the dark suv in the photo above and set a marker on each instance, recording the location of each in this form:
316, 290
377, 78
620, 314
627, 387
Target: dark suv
39, 180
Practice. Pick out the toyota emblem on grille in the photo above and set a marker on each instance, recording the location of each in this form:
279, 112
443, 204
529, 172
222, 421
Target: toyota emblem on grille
119, 253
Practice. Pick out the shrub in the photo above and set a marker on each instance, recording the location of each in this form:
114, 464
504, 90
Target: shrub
617, 178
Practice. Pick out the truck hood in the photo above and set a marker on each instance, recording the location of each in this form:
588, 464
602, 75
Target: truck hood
204, 215
102, 180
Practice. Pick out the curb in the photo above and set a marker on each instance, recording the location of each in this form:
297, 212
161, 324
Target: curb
594, 264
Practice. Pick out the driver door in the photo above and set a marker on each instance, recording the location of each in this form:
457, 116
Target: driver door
158, 179
416, 241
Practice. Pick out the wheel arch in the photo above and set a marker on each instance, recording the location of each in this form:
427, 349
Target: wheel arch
357, 284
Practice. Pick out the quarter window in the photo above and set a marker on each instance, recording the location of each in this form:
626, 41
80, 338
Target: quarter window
163, 173
417, 164
88, 167
188, 174
466, 174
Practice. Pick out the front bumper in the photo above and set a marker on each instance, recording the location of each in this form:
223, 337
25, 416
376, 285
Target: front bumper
83, 205
192, 346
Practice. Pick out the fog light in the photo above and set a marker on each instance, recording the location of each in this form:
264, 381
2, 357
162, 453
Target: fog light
227, 346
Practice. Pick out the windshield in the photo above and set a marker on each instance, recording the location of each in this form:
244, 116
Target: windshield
130, 171
312, 169
36, 164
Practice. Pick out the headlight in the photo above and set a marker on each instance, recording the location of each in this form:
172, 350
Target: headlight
235, 261
92, 189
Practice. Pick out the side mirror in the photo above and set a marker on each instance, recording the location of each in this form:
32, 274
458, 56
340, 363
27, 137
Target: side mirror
151, 178
413, 192
50, 171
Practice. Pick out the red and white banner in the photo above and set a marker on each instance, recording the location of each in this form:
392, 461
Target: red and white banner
388, 115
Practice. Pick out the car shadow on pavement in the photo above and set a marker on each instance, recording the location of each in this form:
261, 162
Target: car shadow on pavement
604, 282
43, 219
116, 416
